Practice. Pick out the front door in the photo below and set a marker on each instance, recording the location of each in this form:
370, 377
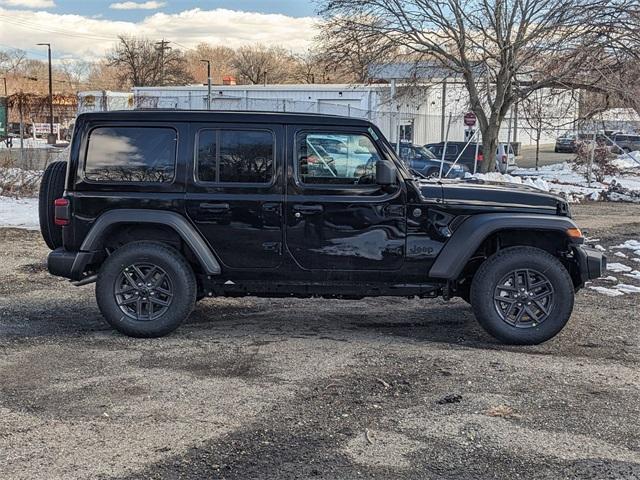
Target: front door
236, 196
337, 217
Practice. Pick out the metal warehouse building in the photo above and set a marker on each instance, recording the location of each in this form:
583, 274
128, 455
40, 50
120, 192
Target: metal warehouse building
418, 113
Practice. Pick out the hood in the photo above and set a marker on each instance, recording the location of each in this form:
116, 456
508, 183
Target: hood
478, 194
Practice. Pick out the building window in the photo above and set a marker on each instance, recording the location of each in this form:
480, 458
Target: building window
131, 154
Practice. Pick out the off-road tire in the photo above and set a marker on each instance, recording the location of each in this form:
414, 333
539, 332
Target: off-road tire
499, 265
51, 188
177, 269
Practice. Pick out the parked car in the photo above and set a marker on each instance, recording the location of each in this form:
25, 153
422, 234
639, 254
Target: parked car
164, 208
504, 163
566, 143
422, 160
625, 142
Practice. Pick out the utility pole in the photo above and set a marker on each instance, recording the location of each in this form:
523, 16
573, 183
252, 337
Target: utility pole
208, 62
163, 46
51, 139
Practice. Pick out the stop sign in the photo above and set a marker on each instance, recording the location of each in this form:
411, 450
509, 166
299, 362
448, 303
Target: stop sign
469, 119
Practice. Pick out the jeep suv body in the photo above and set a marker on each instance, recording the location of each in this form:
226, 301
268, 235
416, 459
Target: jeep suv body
162, 208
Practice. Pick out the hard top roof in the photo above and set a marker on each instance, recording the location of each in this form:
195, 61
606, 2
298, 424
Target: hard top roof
157, 115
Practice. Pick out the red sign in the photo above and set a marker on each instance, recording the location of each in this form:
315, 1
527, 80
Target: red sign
469, 119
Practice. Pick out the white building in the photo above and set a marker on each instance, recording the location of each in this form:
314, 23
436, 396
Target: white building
419, 114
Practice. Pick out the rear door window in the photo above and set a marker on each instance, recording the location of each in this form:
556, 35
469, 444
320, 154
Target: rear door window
235, 156
131, 154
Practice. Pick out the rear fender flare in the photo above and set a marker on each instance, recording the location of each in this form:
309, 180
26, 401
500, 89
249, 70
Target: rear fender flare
472, 232
94, 239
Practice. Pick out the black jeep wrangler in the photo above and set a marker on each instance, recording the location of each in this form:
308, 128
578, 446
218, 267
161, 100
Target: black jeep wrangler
163, 208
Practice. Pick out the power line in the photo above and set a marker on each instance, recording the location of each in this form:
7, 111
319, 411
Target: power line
40, 28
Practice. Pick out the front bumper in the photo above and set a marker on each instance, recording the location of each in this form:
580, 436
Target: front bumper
592, 262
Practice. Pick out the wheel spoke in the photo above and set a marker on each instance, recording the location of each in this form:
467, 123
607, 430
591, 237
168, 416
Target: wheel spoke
519, 315
158, 301
158, 282
128, 301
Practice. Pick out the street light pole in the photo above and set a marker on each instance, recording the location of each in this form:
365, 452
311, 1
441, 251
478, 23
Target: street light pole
208, 83
51, 138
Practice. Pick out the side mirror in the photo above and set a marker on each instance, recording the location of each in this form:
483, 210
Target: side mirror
386, 172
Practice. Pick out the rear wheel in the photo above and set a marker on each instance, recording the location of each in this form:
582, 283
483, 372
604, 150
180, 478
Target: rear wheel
146, 289
522, 295
51, 188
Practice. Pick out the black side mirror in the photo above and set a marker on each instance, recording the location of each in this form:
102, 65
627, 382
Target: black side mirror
386, 172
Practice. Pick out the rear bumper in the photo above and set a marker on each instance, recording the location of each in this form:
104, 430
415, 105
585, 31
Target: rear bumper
592, 262
71, 265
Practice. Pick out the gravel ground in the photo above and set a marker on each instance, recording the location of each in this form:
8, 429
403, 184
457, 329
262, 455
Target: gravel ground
260, 388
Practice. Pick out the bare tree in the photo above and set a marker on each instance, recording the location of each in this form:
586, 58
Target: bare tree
11, 59
143, 62
503, 50
221, 58
350, 52
546, 112
260, 64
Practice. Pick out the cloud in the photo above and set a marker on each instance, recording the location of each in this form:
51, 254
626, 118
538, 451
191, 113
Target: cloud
28, 3
89, 38
152, 5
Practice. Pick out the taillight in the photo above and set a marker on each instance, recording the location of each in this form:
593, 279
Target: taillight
504, 159
480, 157
61, 211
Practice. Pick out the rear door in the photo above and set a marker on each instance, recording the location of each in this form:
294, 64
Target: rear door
337, 217
235, 196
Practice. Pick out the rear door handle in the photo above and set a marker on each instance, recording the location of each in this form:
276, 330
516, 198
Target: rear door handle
308, 209
215, 207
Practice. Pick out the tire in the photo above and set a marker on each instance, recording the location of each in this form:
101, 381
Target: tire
51, 188
556, 150
178, 279
543, 315
433, 173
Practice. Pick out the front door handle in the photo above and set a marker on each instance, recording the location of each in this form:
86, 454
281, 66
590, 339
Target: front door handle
308, 209
215, 207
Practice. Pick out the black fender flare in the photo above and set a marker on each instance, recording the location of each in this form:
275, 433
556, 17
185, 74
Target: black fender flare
472, 232
200, 248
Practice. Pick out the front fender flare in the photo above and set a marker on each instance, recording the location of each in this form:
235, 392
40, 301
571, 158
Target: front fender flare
173, 220
472, 232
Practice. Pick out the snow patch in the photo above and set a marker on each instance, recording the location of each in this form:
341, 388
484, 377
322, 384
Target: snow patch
611, 292
20, 213
618, 267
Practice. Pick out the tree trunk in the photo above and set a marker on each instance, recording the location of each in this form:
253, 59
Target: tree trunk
537, 149
489, 148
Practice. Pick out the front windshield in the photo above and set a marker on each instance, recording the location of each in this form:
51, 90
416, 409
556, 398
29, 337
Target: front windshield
425, 152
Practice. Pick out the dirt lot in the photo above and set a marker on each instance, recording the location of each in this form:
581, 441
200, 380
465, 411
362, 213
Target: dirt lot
255, 388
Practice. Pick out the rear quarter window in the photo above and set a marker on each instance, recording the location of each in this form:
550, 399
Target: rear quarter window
131, 154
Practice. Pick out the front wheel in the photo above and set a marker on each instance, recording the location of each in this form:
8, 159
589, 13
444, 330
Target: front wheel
522, 295
146, 289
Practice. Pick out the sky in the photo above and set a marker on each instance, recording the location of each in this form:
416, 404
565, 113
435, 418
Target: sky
85, 29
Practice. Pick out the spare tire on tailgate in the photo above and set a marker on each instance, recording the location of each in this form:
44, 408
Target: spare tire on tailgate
51, 187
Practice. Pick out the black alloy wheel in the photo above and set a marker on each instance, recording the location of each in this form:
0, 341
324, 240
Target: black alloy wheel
524, 298
143, 291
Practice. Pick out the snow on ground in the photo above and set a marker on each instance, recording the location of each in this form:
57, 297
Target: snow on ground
28, 142
22, 213
19, 182
618, 267
610, 292
569, 181
616, 287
